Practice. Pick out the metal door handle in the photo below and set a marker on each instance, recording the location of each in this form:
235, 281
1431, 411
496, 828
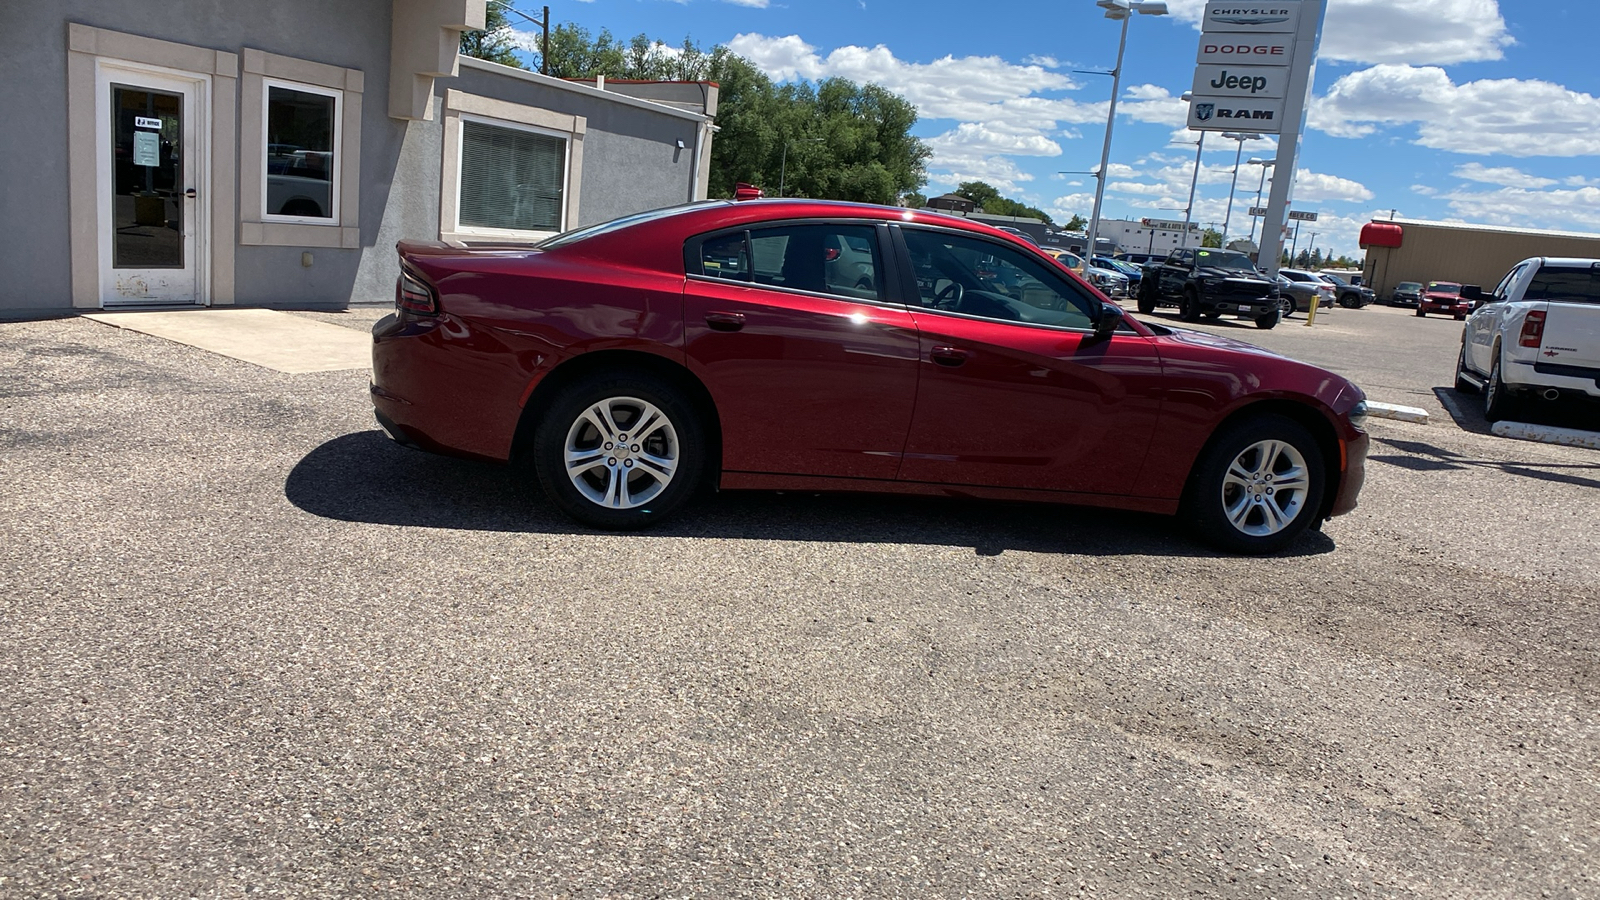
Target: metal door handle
725, 321
190, 193
948, 356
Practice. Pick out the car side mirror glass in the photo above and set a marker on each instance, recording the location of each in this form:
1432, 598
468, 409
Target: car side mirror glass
1474, 293
1107, 323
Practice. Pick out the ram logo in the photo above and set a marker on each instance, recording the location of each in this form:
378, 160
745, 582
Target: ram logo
1203, 111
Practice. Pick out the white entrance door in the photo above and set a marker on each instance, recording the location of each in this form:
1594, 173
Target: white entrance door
152, 172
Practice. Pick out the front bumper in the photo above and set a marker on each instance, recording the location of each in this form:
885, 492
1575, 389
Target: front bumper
1354, 476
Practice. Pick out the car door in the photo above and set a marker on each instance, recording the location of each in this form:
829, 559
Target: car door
1484, 323
811, 365
1015, 390
1175, 273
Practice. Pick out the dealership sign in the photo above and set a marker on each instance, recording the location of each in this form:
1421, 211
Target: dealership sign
1245, 65
1241, 81
1252, 18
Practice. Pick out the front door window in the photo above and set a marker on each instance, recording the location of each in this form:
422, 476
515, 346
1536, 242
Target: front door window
147, 178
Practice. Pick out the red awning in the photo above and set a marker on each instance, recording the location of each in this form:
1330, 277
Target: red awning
1380, 234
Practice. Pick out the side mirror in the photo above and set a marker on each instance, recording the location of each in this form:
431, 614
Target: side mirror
1474, 293
1106, 325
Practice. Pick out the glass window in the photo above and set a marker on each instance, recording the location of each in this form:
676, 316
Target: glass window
843, 260
726, 256
512, 179
147, 197
1501, 289
1565, 284
974, 277
302, 164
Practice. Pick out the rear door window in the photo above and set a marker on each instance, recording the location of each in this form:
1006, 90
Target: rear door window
1565, 284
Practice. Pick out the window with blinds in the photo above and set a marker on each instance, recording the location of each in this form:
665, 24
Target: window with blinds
511, 179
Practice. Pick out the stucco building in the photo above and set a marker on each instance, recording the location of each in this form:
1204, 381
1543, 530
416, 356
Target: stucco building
206, 153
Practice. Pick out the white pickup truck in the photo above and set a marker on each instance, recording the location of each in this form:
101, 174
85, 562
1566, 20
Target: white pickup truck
1537, 335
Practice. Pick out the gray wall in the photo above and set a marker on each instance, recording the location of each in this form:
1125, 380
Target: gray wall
631, 162
33, 181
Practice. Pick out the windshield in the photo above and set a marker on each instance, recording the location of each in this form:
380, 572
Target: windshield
1225, 259
1409, 286
1444, 287
578, 234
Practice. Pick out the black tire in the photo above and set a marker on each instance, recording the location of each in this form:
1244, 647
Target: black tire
1147, 297
1421, 314
1211, 495
682, 439
1461, 318
1349, 302
1212, 314
1285, 306
1462, 384
1498, 401
1189, 310
1269, 319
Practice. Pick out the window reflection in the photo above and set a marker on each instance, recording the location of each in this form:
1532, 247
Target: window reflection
300, 160
147, 179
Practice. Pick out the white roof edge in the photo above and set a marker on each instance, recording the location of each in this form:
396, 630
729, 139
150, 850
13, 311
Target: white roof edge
1470, 226
472, 62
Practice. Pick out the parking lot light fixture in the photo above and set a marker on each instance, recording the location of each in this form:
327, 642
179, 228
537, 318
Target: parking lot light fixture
1238, 157
1265, 164
1116, 10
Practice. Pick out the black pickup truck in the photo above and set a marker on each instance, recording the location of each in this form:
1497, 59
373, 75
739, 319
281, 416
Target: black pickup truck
1209, 282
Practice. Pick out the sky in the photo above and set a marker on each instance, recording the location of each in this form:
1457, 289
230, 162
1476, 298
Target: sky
1455, 110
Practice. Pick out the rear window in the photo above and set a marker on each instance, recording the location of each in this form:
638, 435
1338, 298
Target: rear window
1560, 284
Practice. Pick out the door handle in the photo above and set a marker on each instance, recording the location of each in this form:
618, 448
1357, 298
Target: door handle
725, 321
190, 193
949, 356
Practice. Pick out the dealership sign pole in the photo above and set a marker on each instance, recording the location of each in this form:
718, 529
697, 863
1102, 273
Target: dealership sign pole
1254, 73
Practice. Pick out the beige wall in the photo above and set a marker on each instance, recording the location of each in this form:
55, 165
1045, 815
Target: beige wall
1430, 252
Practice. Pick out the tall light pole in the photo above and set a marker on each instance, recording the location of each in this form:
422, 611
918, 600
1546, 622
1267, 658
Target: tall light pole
783, 162
1194, 179
1237, 157
1116, 10
1265, 164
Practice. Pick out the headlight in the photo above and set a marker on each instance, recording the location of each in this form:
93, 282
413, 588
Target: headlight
1358, 414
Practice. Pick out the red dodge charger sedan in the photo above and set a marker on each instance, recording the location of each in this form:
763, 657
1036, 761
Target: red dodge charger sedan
821, 346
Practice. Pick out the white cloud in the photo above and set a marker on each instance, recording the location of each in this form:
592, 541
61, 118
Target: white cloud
1508, 116
1503, 175
1577, 209
1314, 186
976, 137
1424, 190
755, 4
1424, 32
997, 171
1049, 62
1153, 104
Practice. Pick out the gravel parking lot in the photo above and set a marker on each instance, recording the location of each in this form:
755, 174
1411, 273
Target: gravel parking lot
249, 647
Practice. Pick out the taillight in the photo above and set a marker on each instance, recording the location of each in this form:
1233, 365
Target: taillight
1532, 329
411, 295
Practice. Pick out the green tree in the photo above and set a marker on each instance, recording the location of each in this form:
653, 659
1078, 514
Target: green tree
1076, 223
913, 200
1211, 238
495, 42
988, 199
836, 139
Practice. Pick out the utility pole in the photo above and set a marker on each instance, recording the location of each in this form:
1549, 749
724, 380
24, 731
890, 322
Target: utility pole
544, 44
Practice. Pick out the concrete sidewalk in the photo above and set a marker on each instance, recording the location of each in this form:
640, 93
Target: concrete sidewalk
274, 340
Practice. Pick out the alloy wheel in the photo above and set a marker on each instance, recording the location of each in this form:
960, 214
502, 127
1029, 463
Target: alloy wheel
621, 453
1265, 488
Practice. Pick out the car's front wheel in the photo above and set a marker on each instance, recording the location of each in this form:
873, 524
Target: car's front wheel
1269, 319
1285, 306
620, 451
1257, 487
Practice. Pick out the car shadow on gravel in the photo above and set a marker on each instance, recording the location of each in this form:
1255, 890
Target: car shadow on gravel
1467, 411
1421, 457
365, 477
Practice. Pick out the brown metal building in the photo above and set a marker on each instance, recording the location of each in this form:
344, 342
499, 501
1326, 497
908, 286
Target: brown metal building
1417, 250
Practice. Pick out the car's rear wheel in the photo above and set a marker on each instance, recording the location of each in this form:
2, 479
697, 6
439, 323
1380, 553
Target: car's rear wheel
1462, 384
620, 451
1498, 402
1257, 487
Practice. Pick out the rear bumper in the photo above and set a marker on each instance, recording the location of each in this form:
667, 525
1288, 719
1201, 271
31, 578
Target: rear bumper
1574, 380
